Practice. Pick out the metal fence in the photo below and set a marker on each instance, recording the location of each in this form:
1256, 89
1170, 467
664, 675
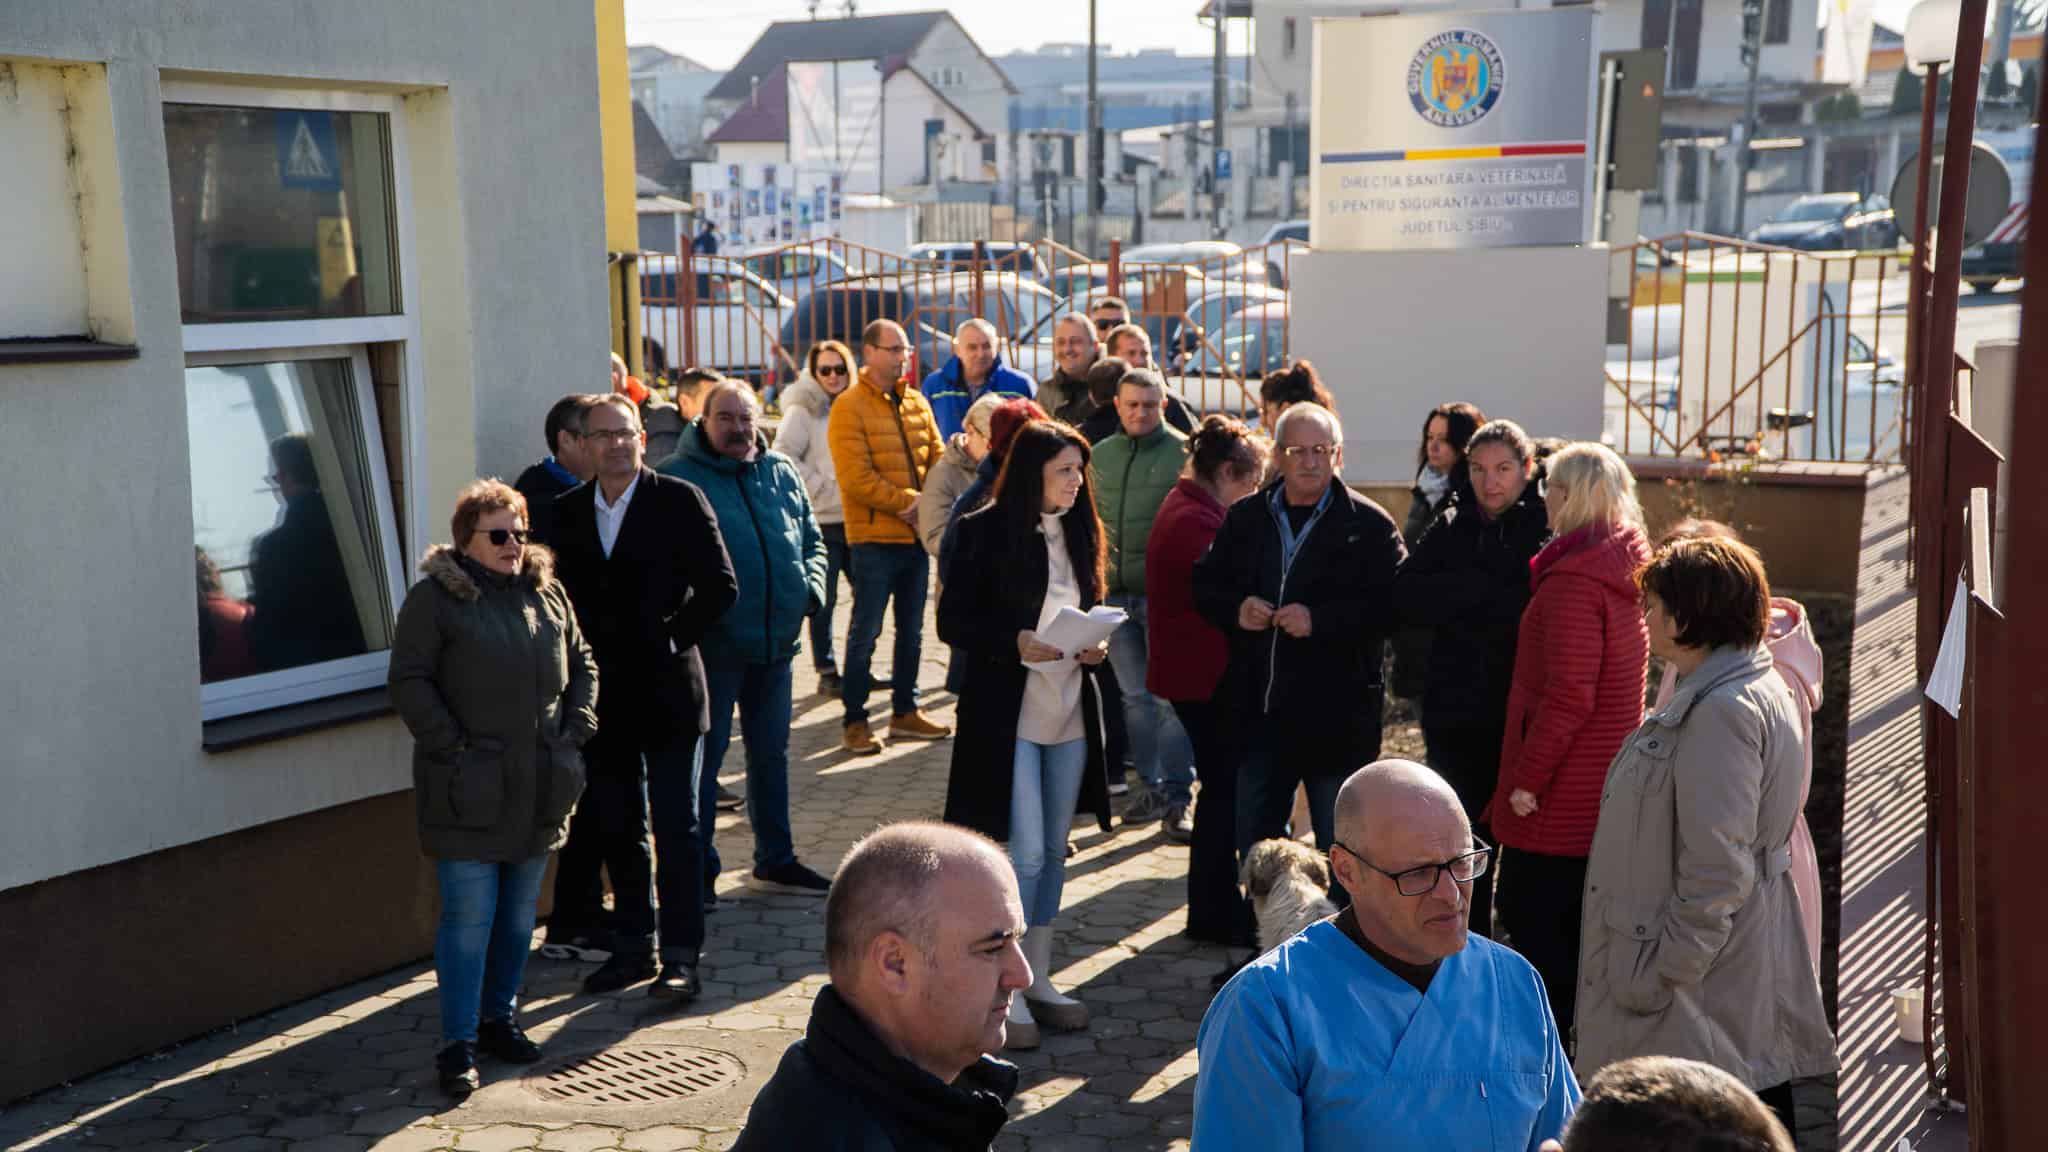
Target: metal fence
1215, 317
1735, 349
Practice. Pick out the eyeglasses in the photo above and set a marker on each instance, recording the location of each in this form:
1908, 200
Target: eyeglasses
831, 370
500, 537
1297, 451
612, 435
1421, 880
889, 348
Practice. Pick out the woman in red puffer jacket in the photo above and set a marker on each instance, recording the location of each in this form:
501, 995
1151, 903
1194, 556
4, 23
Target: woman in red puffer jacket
1580, 665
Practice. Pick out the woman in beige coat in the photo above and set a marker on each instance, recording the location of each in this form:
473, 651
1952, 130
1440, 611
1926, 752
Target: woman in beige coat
1691, 942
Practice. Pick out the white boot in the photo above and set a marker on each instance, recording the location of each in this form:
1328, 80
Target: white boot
1051, 1007
1020, 1032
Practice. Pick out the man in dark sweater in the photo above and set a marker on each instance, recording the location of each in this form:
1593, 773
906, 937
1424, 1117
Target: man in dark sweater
922, 934
565, 466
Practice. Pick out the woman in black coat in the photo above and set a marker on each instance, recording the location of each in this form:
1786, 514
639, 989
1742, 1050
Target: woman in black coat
1440, 478
1466, 582
1030, 742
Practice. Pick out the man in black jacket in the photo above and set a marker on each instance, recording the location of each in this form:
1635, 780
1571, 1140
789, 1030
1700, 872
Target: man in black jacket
921, 939
1301, 579
644, 565
565, 466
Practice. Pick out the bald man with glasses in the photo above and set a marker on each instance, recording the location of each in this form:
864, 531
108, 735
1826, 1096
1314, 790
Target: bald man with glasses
1388, 1025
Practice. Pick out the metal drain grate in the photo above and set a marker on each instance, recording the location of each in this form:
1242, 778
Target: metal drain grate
640, 1075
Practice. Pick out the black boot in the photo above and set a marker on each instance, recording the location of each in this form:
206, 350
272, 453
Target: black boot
618, 972
507, 1041
457, 1066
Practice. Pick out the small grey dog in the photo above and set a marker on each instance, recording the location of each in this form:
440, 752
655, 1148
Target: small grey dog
1289, 886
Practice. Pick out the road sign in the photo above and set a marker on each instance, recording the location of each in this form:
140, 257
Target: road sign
1222, 164
1990, 194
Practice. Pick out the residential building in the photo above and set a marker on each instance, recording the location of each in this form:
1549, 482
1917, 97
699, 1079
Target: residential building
281, 279
674, 89
943, 106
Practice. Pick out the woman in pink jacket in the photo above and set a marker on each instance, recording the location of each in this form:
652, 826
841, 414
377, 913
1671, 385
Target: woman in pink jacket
1797, 658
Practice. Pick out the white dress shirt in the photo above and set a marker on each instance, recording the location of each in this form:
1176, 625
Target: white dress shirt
610, 516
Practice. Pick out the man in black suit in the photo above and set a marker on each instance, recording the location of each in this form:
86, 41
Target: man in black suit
648, 573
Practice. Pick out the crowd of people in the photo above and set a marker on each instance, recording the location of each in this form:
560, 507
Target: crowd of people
571, 665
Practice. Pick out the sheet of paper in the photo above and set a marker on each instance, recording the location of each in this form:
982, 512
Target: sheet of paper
1074, 631
1945, 682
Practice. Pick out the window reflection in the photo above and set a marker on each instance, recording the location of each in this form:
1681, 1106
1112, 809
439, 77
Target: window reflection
289, 569
281, 213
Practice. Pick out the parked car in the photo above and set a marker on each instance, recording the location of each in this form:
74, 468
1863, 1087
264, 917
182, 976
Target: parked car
1252, 342
798, 269
735, 316
1002, 255
1833, 220
930, 307
1276, 264
1210, 253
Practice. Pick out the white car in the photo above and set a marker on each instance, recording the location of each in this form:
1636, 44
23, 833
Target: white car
735, 318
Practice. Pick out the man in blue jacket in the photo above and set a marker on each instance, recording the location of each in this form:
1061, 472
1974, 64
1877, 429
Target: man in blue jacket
777, 552
974, 371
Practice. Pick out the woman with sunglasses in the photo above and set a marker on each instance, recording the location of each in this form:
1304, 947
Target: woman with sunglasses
806, 407
491, 675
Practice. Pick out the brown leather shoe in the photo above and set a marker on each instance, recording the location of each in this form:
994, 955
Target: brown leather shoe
915, 725
858, 740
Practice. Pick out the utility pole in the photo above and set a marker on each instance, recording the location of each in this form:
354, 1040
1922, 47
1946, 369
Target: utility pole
1216, 138
1995, 87
1752, 52
1095, 196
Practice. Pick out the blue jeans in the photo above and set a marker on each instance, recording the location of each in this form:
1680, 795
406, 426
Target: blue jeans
882, 571
763, 694
838, 559
1159, 745
487, 912
1045, 783
1265, 794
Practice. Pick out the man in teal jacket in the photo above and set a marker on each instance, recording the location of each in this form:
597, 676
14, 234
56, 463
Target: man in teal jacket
778, 554
1134, 470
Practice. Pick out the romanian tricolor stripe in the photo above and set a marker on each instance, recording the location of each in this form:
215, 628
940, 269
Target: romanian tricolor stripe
1492, 152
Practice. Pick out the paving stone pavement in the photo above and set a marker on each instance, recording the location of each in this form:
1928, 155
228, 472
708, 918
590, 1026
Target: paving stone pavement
353, 1069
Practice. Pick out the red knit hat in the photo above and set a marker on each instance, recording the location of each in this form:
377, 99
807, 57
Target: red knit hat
1004, 422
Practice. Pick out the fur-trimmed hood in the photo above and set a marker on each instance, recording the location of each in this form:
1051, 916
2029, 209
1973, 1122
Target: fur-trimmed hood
448, 569
808, 394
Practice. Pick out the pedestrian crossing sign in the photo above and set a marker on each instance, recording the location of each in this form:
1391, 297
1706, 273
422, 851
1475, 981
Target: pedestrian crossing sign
306, 152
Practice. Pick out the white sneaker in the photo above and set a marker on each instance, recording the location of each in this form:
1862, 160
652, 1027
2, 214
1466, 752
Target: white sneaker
1049, 1006
1020, 1031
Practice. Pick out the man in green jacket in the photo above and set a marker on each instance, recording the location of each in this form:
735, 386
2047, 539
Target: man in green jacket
764, 514
1134, 470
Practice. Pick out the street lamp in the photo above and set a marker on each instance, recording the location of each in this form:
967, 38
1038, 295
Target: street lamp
1930, 42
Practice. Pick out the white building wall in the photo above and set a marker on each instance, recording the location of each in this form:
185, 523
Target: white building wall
908, 104
99, 695
949, 59
751, 152
675, 102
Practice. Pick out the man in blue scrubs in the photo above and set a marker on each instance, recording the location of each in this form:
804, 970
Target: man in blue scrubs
1387, 1027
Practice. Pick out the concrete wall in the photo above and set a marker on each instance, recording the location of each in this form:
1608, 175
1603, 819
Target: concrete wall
100, 699
1517, 331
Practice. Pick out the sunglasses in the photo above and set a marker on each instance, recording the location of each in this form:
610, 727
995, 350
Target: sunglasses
831, 370
1105, 323
499, 537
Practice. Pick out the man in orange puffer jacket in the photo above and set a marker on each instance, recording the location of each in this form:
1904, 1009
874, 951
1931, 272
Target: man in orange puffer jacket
884, 439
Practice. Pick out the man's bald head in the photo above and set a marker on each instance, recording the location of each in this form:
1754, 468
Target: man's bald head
889, 882
1392, 794
1394, 816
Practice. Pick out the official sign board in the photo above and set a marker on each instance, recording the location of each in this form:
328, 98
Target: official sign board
1452, 130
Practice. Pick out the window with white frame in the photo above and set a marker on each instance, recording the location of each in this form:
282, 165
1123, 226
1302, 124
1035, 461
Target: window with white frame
285, 218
